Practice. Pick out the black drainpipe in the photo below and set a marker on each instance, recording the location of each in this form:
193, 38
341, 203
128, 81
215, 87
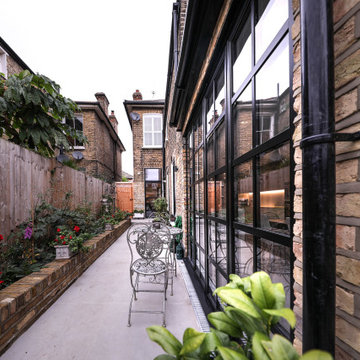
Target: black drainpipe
317, 62
175, 35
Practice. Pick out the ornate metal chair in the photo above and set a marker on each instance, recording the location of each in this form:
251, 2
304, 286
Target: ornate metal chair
149, 266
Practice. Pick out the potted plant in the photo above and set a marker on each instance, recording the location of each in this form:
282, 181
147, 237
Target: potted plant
69, 242
162, 214
138, 214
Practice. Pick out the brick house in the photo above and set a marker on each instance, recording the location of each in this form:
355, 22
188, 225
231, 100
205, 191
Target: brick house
102, 155
146, 118
259, 99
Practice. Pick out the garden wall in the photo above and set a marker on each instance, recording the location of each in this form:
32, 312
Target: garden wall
25, 177
25, 300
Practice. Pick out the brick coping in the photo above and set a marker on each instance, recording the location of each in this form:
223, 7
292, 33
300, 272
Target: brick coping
22, 302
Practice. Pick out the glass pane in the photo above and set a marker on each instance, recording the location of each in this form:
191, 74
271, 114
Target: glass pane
275, 260
221, 196
197, 197
79, 123
243, 197
242, 113
242, 55
69, 122
202, 264
220, 146
157, 123
212, 276
201, 235
152, 192
200, 163
272, 15
221, 281
210, 155
210, 118
200, 131
219, 95
147, 123
197, 175
190, 141
148, 139
152, 174
221, 245
201, 196
272, 94
243, 253
211, 196
158, 139
212, 239
275, 190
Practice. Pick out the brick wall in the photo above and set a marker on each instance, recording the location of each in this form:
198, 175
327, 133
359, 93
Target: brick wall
101, 159
347, 116
143, 158
24, 301
12, 66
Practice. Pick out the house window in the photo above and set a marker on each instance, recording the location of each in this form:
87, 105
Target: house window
3, 66
78, 124
266, 127
152, 130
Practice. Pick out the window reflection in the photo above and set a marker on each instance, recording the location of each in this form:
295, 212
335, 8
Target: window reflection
210, 114
210, 155
220, 146
243, 193
274, 190
211, 196
200, 163
219, 95
243, 253
272, 15
220, 204
272, 94
221, 246
242, 55
201, 196
242, 113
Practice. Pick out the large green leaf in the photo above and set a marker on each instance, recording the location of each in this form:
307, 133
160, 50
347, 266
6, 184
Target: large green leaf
228, 354
238, 299
210, 343
192, 340
262, 290
286, 313
223, 323
257, 346
165, 339
316, 355
247, 323
165, 357
279, 293
280, 348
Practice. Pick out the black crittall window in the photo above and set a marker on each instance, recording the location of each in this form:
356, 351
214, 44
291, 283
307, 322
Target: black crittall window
239, 156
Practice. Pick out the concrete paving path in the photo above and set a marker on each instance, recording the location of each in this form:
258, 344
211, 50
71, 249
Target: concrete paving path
89, 321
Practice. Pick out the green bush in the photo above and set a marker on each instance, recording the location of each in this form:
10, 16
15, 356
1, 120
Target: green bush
252, 306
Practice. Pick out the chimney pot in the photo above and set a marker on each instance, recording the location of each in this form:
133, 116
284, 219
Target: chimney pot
137, 95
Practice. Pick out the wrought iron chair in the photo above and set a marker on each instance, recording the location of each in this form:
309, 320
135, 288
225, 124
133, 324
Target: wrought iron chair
149, 265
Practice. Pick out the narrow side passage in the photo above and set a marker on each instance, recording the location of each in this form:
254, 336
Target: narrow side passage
89, 321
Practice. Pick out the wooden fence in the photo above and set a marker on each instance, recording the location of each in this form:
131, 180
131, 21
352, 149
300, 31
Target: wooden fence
26, 178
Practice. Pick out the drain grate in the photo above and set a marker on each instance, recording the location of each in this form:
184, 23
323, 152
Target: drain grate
195, 302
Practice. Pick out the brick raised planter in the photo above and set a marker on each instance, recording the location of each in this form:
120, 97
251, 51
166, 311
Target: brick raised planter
24, 301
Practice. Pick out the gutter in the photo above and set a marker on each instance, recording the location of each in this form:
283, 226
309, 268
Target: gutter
318, 145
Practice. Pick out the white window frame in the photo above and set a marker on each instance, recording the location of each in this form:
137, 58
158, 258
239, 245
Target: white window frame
3, 62
261, 126
77, 147
152, 132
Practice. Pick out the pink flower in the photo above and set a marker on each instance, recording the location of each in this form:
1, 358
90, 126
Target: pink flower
70, 237
58, 230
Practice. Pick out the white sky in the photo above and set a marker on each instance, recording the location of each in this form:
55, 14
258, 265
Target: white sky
88, 46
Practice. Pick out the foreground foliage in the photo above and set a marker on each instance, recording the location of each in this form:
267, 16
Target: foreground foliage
32, 111
252, 306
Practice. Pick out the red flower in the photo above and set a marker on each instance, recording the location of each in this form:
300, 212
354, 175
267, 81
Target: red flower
64, 243
62, 237
58, 230
113, 215
56, 240
1, 237
70, 237
76, 228
1, 281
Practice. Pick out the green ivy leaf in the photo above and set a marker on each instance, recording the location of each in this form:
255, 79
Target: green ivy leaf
192, 340
228, 354
225, 324
286, 313
316, 355
262, 290
257, 346
238, 299
165, 339
280, 348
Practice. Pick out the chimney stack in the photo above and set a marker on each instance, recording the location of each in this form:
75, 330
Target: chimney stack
137, 95
104, 102
113, 121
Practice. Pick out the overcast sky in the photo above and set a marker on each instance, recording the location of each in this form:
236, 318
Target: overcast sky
88, 46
